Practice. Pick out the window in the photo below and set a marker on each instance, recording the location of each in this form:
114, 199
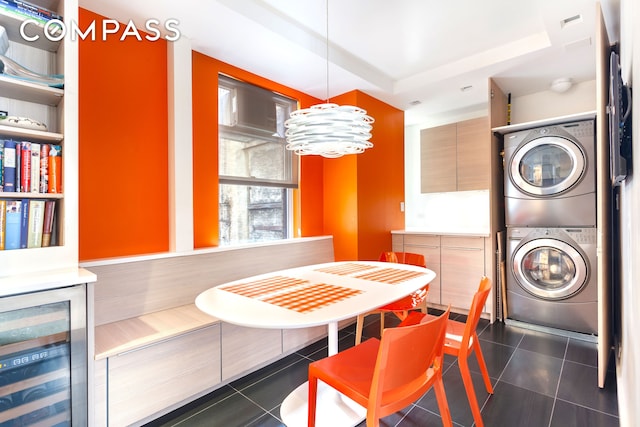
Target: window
257, 173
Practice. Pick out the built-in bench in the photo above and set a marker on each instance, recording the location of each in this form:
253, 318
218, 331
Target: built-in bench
153, 350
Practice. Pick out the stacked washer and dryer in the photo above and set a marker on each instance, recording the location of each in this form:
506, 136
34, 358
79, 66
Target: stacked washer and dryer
550, 214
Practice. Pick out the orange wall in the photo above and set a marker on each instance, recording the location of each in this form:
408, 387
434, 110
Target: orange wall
205, 158
362, 193
123, 164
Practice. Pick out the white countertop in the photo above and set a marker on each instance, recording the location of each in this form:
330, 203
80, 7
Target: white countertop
44, 280
465, 233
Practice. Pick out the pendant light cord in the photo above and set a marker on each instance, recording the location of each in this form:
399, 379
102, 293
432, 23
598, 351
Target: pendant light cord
327, 32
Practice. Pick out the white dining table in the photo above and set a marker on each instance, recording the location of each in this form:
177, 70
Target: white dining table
320, 294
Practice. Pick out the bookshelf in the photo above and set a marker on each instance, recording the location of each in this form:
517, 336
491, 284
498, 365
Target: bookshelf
58, 109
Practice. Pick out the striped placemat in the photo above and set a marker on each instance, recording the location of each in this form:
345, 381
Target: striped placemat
261, 288
312, 297
391, 276
346, 269
291, 293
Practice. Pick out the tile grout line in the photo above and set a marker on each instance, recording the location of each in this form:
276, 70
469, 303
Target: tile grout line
555, 397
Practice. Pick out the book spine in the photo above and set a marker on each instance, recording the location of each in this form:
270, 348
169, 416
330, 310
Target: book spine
24, 10
8, 10
44, 168
25, 167
24, 223
36, 222
18, 166
12, 224
47, 226
3, 216
55, 169
9, 166
35, 10
35, 168
1, 165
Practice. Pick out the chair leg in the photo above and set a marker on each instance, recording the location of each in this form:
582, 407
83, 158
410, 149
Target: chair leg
482, 364
471, 394
381, 323
423, 306
313, 391
359, 325
443, 405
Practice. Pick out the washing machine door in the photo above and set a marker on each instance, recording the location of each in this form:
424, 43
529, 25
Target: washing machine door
549, 268
547, 166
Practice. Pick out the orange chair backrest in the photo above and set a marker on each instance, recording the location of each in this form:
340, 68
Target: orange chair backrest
404, 356
403, 258
479, 298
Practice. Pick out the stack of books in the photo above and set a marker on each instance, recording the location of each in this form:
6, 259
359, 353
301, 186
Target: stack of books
30, 167
23, 10
26, 223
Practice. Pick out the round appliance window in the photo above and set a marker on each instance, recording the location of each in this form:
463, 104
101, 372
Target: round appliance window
550, 269
547, 166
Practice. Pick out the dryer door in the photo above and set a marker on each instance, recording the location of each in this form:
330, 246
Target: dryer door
549, 268
547, 166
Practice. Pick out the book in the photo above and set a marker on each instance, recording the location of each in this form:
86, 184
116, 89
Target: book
3, 216
13, 218
47, 226
55, 169
18, 166
44, 168
9, 165
35, 168
36, 223
24, 223
1, 163
25, 167
29, 10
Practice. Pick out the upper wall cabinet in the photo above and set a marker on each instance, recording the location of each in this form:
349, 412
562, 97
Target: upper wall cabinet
456, 157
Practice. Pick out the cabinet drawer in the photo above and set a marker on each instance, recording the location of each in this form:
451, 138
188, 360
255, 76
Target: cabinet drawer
151, 379
397, 242
243, 349
432, 259
421, 240
463, 242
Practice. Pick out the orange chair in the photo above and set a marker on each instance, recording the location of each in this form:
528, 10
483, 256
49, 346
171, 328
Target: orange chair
417, 300
389, 374
461, 340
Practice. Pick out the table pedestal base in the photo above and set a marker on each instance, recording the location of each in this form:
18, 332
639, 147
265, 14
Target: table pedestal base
333, 409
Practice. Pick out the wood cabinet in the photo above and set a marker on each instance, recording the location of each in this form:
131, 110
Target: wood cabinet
461, 267
245, 348
458, 261
57, 108
456, 157
429, 246
438, 159
151, 379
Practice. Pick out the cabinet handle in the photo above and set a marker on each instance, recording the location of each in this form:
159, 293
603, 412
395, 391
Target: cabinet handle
462, 248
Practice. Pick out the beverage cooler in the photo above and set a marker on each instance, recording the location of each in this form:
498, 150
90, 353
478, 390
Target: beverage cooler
43, 358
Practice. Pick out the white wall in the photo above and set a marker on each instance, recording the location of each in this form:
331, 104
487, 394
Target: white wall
628, 368
468, 211
580, 98
465, 211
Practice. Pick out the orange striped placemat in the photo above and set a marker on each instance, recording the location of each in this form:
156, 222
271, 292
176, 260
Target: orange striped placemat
391, 276
291, 293
313, 297
346, 269
264, 287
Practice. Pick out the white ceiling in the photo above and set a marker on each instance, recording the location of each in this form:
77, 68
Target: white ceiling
397, 51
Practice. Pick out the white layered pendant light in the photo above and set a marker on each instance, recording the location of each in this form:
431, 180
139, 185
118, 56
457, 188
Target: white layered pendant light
328, 130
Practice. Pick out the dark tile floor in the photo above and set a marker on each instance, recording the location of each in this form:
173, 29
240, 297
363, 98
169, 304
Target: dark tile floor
540, 380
